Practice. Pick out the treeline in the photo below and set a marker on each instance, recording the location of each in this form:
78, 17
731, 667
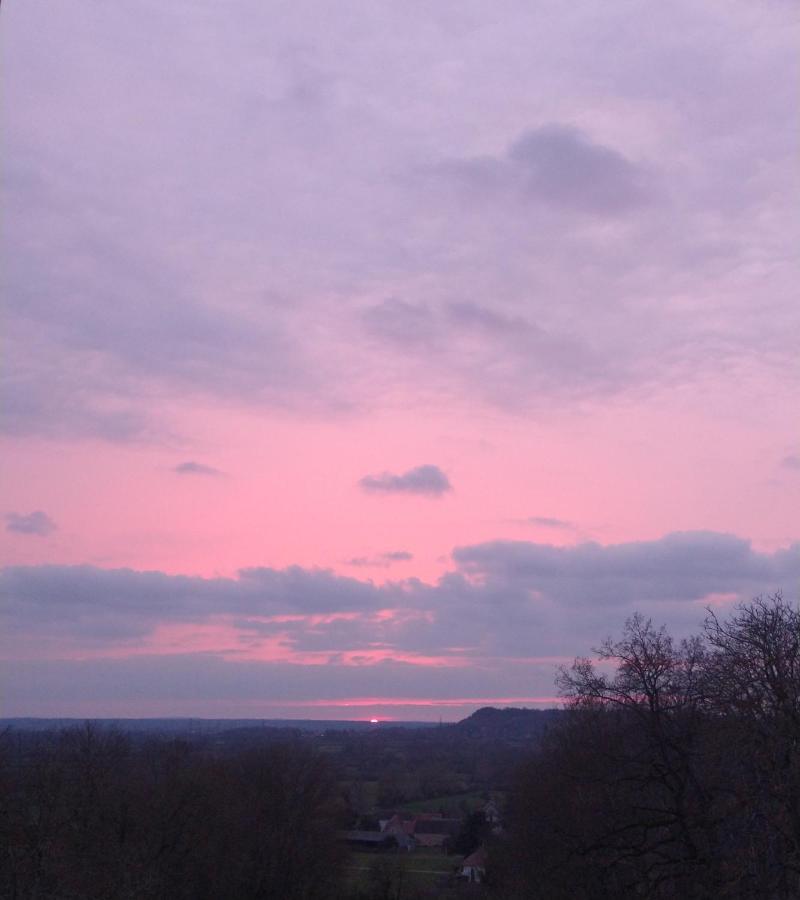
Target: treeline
91, 812
87, 813
408, 765
676, 773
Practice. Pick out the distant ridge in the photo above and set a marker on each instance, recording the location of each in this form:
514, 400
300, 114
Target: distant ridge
489, 722
511, 723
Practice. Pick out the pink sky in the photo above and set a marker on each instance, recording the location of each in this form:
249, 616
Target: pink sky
388, 357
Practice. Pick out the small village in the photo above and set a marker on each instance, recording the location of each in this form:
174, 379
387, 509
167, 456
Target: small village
431, 845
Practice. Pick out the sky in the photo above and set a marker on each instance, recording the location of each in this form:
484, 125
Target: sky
373, 359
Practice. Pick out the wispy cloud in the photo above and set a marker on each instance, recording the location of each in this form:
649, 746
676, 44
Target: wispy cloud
195, 468
382, 560
550, 522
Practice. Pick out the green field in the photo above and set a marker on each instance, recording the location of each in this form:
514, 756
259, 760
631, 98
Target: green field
418, 868
452, 805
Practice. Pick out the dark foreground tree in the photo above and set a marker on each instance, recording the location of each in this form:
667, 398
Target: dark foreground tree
676, 775
475, 830
86, 815
753, 687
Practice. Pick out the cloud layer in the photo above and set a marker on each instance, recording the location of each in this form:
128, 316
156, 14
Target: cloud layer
507, 613
549, 206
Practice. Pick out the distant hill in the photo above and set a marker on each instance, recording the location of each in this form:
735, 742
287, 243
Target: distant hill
511, 723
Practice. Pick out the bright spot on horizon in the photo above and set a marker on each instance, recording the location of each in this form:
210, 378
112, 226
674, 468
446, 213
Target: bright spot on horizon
373, 721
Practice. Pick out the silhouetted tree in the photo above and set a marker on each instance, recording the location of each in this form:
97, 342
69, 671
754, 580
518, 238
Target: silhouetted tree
677, 775
753, 691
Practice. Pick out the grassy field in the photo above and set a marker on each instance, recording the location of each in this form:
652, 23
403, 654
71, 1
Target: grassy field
453, 805
417, 868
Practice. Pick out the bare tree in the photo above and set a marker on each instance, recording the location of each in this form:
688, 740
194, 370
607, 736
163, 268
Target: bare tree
664, 822
753, 687
676, 773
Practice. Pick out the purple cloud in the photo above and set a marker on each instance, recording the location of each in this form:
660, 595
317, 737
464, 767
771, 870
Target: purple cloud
555, 165
36, 523
510, 608
427, 480
503, 597
560, 165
